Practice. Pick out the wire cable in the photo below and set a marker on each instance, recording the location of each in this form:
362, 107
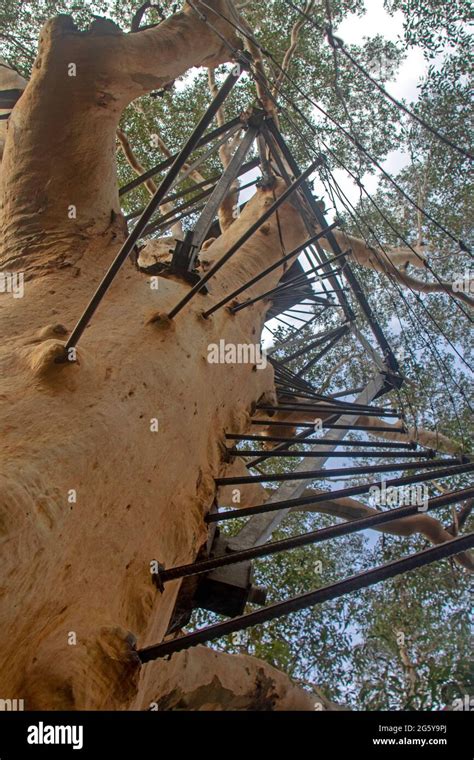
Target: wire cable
347, 134
337, 42
413, 319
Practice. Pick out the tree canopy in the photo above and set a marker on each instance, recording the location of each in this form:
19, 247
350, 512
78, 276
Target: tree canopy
403, 645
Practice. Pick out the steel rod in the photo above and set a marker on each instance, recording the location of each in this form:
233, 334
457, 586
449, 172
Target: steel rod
222, 187
259, 528
311, 598
178, 212
336, 333
334, 403
318, 441
347, 392
206, 183
295, 252
290, 315
301, 436
315, 536
247, 234
315, 359
369, 412
153, 204
333, 426
339, 494
289, 285
333, 416
279, 149
187, 208
169, 161
291, 453
348, 273
301, 311
333, 472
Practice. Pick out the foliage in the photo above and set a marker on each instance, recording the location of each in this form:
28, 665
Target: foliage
348, 646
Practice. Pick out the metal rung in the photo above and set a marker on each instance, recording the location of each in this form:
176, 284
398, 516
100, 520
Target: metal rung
313, 537
320, 441
334, 472
326, 453
360, 411
331, 425
323, 594
339, 494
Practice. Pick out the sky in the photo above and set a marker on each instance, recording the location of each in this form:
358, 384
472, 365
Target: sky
377, 21
352, 30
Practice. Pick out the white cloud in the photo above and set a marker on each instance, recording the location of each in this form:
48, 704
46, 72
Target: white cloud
377, 21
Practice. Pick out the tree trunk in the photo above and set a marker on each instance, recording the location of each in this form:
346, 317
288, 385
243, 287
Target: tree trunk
91, 492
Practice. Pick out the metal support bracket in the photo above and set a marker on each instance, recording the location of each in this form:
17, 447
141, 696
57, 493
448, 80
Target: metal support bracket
228, 590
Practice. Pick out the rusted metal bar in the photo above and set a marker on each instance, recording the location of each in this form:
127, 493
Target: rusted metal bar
339, 494
311, 598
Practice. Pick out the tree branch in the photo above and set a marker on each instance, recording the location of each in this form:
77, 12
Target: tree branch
430, 438
140, 12
75, 97
290, 52
226, 209
138, 16
177, 229
394, 264
329, 376
461, 517
133, 160
351, 509
261, 82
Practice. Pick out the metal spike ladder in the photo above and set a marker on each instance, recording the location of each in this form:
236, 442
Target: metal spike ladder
222, 581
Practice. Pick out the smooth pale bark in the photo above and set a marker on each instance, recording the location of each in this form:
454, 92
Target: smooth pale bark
203, 679
60, 146
431, 438
90, 491
82, 567
393, 262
